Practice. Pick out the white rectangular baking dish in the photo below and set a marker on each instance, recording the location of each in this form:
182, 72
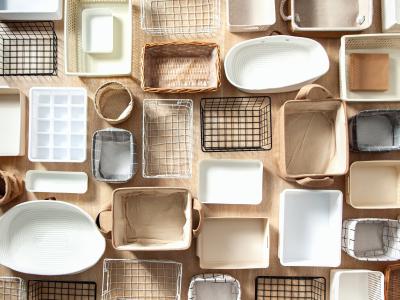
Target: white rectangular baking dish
390, 15
97, 30
37, 181
31, 10
12, 122
230, 181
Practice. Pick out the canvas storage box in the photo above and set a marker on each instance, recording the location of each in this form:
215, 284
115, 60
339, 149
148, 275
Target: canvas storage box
313, 144
151, 219
214, 286
307, 16
371, 239
374, 184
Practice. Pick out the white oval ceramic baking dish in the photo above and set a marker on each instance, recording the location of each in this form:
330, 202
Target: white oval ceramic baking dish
275, 64
46, 237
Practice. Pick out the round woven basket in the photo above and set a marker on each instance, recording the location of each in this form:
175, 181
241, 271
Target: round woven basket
113, 102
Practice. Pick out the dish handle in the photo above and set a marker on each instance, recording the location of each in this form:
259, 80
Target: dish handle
282, 11
199, 208
305, 92
316, 182
105, 232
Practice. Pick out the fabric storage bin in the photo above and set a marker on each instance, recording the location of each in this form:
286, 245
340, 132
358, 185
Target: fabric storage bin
371, 239
214, 286
181, 67
309, 228
375, 131
307, 16
222, 242
392, 279
356, 285
313, 144
113, 155
151, 219
374, 184
12, 288
390, 16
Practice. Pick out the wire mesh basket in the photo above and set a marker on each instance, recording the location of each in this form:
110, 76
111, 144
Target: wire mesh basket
61, 290
167, 138
203, 285
141, 279
180, 17
12, 288
28, 48
276, 288
236, 124
392, 282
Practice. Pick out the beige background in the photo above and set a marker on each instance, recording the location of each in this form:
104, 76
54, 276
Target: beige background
100, 193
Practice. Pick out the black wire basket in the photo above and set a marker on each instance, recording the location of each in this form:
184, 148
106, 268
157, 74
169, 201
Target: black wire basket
274, 288
61, 290
28, 48
236, 124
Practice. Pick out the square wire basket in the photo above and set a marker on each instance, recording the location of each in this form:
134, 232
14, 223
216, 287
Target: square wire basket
167, 138
180, 17
236, 124
141, 279
61, 290
12, 288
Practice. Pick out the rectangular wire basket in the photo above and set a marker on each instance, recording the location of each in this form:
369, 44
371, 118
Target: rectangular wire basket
236, 124
280, 287
12, 288
180, 17
141, 279
167, 138
61, 290
28, 48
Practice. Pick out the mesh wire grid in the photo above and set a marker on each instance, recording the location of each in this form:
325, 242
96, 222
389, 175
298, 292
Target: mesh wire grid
28, 48
61, 290
12, 288
180, 17
236, 124
286, 288
141, 279
167, 138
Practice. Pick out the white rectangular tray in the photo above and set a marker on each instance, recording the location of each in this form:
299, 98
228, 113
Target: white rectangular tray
97, 30
57, 124
31, 10
56, 182
390, 16
230, 181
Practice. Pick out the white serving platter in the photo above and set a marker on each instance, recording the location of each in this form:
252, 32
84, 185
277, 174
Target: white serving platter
97, 30
230, 181
31, 10
56, 182
45, 237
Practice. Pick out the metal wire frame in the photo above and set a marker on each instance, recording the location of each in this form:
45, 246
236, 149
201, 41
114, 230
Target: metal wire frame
141, 279
236, 124
28, 48
281, 287
12, 288
61, 290
180, 17
167, 138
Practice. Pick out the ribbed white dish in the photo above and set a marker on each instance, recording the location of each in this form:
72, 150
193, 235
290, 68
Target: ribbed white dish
275, 64
46, 237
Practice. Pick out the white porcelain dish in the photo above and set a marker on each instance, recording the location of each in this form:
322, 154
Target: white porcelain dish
275, 64
97, 30
31, 10
390, 15
56, 182
310, 228
230, 181
57, 124
49, 238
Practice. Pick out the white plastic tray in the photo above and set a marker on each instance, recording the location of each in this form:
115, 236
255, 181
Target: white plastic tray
56, 182
390, 16
49, 238
97, 30
31, 10
57, 124
229, 181
275, 64
310, 223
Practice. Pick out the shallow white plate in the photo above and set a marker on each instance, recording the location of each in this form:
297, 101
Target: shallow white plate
56, 182
230, 181
46, 237
97, 30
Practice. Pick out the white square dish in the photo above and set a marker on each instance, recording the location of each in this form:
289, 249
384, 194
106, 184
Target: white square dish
97, 30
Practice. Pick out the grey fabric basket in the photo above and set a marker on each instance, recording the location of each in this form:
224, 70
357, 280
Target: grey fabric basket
375, 131
113, 155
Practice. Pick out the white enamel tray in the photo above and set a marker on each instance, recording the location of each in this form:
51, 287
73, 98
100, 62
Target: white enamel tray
275, 64
56, 182
46, 237
31, 10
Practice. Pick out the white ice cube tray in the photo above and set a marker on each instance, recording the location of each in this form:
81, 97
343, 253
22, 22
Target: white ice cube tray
57, 124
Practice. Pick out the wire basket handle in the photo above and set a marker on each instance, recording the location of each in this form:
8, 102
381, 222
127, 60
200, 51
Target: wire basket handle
199, 208
282, 11
305, 92
104, 231
316, 182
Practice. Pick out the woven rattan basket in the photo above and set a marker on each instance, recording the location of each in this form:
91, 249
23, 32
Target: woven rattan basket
181, 67
392, 282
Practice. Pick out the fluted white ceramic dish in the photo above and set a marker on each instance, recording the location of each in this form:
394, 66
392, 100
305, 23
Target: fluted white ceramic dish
45, 237
275, 64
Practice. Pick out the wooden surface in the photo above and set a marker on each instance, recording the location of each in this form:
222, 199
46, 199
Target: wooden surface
100, 193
